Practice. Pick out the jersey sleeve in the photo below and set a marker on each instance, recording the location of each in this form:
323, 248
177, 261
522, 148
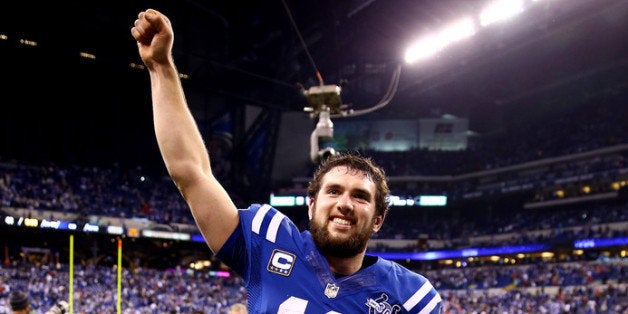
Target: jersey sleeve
421, 297
259, 225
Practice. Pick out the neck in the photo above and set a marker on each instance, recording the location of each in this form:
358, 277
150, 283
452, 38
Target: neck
345, 265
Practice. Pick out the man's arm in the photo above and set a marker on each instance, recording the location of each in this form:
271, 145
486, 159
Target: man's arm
180, 142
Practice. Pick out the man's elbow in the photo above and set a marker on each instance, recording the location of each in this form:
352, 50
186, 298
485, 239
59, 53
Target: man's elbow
185, 174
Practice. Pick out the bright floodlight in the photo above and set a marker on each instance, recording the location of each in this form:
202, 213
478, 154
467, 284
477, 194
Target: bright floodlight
423, 49
458, 31
430, 45
500, 10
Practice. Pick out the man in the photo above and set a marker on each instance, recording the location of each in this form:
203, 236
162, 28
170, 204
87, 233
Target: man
323, 270
238, 308
20, 302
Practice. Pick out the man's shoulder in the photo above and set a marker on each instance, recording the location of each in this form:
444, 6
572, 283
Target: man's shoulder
394, 269
268, 222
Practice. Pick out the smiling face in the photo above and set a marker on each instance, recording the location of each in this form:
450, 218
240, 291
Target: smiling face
343, 213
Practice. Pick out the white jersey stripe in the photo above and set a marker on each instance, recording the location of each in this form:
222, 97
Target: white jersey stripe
416, 298
431, 305
271, 234
259, 217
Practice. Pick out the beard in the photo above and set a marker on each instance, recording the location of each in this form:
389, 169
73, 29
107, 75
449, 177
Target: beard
339, 247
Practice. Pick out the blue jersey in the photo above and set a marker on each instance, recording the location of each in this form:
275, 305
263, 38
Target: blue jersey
284, 272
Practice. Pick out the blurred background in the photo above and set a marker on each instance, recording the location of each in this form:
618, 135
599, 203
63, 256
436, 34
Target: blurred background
502, 126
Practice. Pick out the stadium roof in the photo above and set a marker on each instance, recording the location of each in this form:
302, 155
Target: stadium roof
258, 52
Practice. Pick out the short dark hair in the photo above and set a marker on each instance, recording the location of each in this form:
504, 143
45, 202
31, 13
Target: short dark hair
19, 300
366, 165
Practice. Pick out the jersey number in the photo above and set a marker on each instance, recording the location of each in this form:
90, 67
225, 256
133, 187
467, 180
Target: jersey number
294, 305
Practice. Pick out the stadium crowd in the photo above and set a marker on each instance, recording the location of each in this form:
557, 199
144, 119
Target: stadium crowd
584, 126
144, 290
584, 287
90, 193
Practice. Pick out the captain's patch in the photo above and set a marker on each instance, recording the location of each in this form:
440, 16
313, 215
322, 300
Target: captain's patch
281, 262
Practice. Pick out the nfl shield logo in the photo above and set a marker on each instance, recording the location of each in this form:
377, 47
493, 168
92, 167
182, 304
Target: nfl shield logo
331, 291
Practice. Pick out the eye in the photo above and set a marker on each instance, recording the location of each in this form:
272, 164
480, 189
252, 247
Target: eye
362, 196
333, 191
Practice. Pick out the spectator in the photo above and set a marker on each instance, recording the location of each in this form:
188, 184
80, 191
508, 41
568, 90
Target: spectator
20, 302
238, 308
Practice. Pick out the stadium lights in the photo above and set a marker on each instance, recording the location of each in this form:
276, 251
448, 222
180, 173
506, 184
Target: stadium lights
500, 10
462, 253
430, 45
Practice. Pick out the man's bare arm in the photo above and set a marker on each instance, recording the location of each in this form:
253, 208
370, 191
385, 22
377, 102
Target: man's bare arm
180, 142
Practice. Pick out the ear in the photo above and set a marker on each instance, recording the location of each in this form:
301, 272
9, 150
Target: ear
379, 221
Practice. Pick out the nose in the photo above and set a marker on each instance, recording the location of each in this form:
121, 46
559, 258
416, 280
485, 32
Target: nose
345, 203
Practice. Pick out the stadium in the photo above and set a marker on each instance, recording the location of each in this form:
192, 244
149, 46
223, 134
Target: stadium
505, 148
